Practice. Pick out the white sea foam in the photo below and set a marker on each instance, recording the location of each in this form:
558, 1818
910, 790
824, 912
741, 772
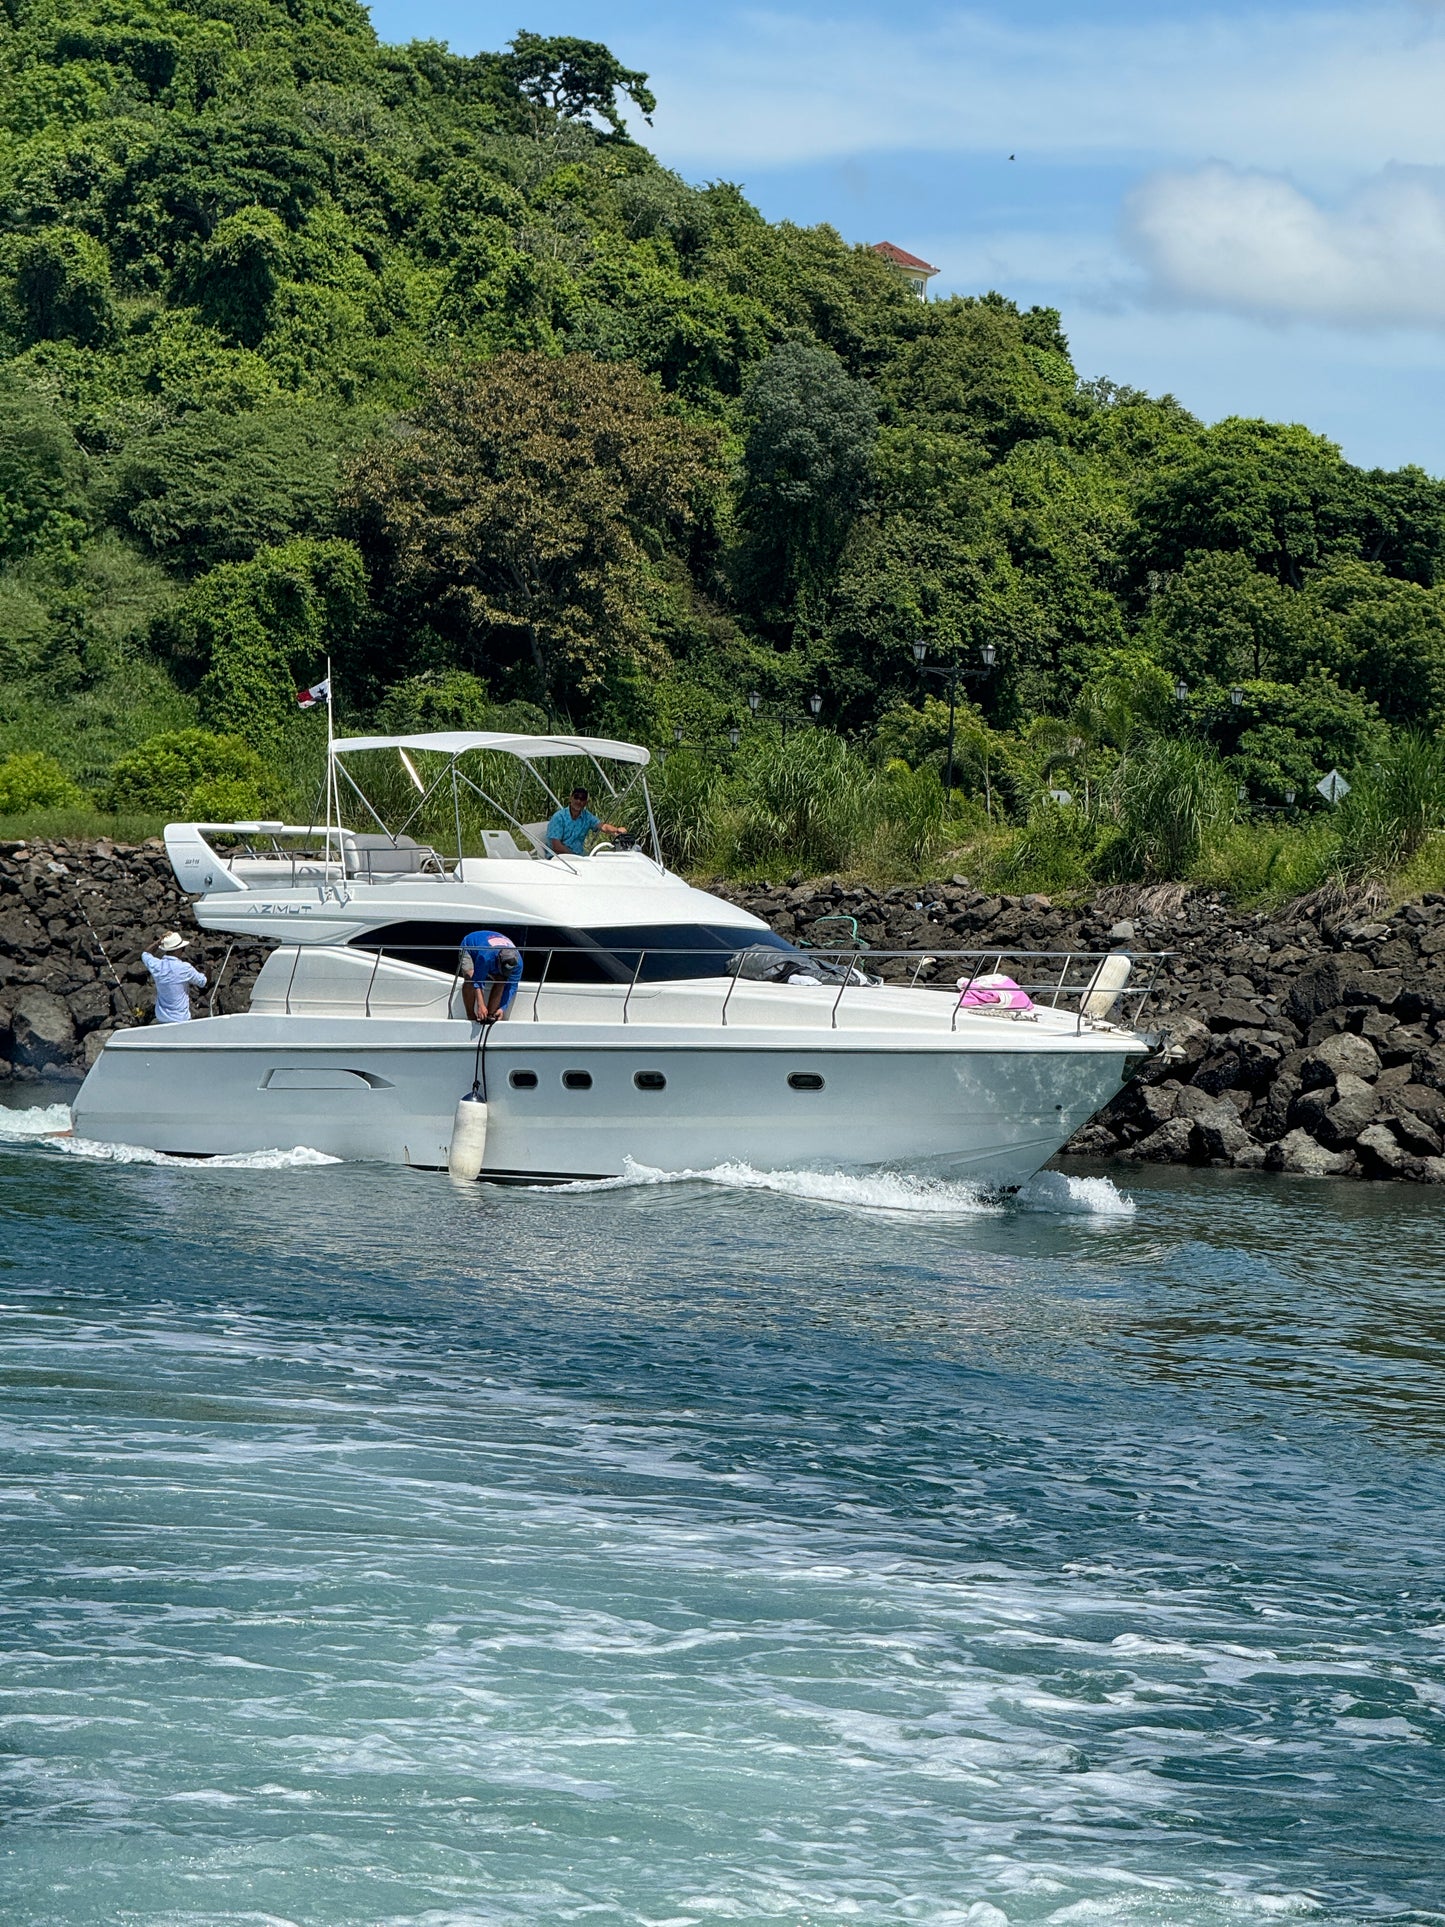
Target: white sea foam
273, 1160
42, 1120
885, 1191
49, 1125
1087, 1197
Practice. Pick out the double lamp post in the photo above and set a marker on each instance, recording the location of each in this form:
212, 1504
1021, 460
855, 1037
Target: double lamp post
953, 673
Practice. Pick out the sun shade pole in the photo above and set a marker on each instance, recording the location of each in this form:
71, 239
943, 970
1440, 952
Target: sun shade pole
556, 800
342, 770
652, 825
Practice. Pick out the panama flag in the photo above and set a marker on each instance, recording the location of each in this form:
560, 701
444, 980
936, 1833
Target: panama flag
317, 693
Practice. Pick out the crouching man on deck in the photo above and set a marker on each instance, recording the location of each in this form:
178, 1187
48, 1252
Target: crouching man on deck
490, 968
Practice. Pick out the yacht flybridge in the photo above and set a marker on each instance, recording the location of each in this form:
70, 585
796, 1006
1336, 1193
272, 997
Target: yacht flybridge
656, 1025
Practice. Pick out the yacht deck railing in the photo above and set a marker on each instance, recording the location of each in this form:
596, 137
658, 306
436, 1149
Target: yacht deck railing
1081, 983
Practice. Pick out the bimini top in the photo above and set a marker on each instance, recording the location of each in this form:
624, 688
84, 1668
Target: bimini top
456, 742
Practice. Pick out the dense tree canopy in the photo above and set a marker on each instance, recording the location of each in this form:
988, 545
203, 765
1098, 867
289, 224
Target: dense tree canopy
313, 345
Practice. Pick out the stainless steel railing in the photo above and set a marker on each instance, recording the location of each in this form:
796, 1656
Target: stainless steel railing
1053, 979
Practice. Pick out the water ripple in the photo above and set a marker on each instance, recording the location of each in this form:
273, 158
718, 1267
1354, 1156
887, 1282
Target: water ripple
731, 1549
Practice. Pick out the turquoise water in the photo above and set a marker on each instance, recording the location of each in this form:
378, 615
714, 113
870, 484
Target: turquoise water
732, 1549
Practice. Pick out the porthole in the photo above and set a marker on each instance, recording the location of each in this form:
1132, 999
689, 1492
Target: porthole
804, 1081
649, 1080
576, 1080
523, 1080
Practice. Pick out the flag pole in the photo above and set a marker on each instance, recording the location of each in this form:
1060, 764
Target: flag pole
333, 801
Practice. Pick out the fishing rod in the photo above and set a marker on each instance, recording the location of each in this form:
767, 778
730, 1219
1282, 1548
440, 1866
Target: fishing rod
59, 869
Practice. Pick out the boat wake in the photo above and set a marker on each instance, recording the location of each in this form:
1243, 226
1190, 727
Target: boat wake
48, 1125
891, 1192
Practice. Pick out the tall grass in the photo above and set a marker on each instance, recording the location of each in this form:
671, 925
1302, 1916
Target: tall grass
684, 806
810, 805
1267, 862
1397, 803
79, 825
803, 803
1168, 797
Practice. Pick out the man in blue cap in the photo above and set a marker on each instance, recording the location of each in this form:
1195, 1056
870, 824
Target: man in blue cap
569, 826
490, 967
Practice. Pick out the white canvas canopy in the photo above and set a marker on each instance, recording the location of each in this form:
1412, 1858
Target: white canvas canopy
457, 742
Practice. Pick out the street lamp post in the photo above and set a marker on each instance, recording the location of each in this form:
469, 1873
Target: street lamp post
953, 675
755, 704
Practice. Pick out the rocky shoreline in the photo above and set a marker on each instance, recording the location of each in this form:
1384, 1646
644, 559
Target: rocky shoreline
1308, 1040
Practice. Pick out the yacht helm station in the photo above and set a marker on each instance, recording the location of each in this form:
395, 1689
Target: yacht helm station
656, 1025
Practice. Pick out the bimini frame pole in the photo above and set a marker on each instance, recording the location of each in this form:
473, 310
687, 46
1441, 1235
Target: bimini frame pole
333, 796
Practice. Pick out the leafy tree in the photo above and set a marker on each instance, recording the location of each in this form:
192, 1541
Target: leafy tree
575, 78
216, 488
1284, 736
1220, 618
1278, 495
808, 455
31, 780
1397, 642
253, 631
522, 510
981, 369
452, 699
1399, 519
188, 772
42, 475
61, 288
237, 271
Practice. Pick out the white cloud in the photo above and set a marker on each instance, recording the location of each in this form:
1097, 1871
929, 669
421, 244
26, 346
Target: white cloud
1253, 243
1310, 88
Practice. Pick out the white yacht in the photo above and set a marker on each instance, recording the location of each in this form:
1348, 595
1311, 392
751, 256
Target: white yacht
656, 1025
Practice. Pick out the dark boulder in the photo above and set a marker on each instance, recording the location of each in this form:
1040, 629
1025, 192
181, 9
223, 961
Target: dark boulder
43, 1030
1354, 1105
1380, 1152
1172, 1143
1299, 1155
1343, 1055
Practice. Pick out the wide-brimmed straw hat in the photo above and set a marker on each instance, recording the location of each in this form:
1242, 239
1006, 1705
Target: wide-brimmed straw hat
172, 940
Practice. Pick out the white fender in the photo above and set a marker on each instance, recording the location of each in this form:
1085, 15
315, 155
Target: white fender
1105, 984
469, 1139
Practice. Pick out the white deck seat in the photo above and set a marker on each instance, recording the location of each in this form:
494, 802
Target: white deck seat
377, 857
502, 844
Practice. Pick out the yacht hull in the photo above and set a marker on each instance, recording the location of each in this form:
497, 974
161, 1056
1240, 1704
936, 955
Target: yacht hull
567, 1104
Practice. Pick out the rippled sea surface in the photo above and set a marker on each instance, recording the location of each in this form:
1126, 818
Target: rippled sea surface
730, 1549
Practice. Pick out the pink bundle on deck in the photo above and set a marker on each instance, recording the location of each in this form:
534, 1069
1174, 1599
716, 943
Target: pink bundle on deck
998, 991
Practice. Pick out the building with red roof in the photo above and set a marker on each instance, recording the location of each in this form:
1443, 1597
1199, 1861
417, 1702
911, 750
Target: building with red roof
915, 272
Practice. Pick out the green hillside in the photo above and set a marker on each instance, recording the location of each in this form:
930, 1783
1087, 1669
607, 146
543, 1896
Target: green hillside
316, 347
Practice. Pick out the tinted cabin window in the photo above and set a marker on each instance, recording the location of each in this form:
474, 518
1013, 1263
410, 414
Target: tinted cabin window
804, 1081
668, 952
523, 1080
577, 1080
649, 1080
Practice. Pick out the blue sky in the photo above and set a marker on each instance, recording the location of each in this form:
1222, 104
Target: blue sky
1244, 205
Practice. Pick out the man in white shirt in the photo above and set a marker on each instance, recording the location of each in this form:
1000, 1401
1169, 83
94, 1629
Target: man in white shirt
173, 979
